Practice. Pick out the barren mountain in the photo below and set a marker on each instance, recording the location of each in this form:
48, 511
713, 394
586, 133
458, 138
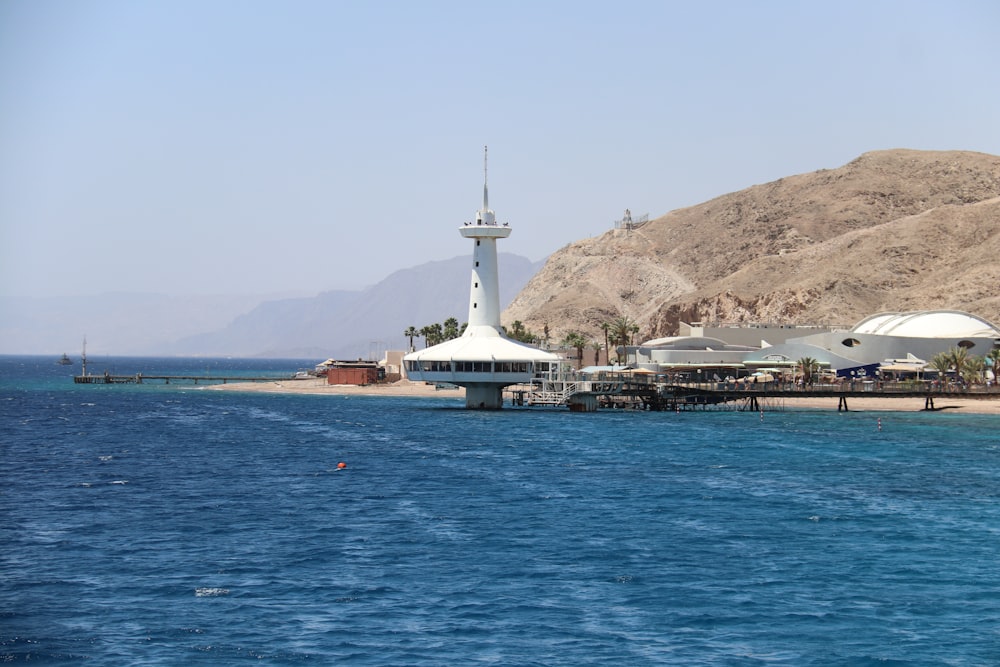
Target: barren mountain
891, 230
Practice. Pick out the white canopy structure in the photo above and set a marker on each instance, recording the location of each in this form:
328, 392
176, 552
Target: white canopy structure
927, 324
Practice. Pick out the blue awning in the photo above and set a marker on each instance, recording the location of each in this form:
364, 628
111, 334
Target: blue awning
867, 370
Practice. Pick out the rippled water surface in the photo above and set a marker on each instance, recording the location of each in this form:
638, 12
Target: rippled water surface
170, 525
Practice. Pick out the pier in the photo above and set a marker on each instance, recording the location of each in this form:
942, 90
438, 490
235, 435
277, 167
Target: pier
140, 378
651, 393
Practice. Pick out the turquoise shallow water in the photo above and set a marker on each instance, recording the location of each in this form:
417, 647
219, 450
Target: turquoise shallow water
177, 525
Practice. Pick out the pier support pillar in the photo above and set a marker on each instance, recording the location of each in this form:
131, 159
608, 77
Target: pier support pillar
582, 403
484, 396
842, 404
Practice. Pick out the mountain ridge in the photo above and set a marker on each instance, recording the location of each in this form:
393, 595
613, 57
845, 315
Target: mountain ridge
335, 323
891, 230
363, 323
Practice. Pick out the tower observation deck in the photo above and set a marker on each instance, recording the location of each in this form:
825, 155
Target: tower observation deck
482, 359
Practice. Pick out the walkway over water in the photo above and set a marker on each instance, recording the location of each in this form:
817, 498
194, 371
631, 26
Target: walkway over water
140, 378
648, 393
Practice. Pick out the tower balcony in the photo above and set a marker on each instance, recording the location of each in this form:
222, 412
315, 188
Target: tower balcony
475, 231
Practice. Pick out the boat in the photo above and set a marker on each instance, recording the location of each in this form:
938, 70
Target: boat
65, 361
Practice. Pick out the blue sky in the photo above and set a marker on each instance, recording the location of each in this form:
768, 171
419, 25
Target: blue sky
245, 147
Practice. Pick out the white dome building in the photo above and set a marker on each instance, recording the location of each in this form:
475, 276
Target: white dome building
927, 324
885, 337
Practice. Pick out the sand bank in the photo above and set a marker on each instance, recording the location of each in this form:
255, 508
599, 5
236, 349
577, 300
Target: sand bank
320, 387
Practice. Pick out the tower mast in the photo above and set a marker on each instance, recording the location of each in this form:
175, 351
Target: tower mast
484, 295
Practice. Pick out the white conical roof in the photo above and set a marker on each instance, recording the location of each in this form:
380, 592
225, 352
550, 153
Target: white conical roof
482, 344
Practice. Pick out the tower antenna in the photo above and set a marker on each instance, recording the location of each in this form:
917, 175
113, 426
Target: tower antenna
486, 192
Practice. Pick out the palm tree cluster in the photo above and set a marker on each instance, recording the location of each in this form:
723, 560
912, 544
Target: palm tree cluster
620, 332
519, 332
968, 368
577, 342
435, 333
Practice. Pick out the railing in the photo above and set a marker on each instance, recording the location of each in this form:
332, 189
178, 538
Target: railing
557, 390
548, 394
880, 387
629, 223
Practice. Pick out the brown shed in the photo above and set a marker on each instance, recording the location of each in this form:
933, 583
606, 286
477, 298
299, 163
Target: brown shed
352, 373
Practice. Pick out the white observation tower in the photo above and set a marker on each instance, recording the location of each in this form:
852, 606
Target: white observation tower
482, 360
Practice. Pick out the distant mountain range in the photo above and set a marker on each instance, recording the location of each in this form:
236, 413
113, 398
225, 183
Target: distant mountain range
341, 324
356, 324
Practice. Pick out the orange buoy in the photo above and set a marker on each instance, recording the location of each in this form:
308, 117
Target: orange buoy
341, 465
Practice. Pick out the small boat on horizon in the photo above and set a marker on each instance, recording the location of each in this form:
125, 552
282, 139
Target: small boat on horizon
65, 361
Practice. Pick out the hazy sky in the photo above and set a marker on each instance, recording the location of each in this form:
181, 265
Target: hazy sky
222, 147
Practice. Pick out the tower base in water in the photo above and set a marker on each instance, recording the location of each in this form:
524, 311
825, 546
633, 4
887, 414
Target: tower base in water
483, 396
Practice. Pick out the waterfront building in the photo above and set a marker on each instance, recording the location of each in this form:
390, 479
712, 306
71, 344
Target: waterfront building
878, 341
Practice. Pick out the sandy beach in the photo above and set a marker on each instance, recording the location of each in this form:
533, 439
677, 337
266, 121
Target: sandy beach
957, 404
318, 386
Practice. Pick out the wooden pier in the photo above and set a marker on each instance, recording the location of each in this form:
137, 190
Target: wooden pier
140, 378
654, 395
755, 399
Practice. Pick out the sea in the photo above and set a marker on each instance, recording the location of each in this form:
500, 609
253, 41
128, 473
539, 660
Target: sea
176, 524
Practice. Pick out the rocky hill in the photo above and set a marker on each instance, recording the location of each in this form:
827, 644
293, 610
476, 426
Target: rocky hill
891, 230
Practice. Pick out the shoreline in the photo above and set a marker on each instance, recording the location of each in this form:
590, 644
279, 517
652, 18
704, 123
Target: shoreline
319, 387
956, 403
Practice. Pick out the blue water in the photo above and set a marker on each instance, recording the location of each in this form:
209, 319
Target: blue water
176, 525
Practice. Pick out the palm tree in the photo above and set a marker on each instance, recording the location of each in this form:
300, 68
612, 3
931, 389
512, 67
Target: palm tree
596, 347
517, 330
436, 333
809, 367
411, 333
994, 357
941, 363
622, 329
974, 369
577, 342
521, 333
426, 333
959, 357
606, 327
432, 333
622, 332
450, 328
